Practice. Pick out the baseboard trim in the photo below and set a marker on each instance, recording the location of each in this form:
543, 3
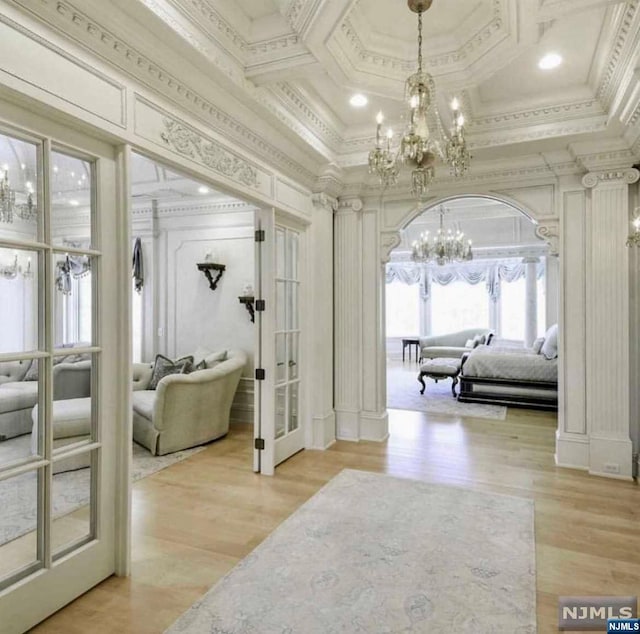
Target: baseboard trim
572, 452
323, 431
374, 426
348, 425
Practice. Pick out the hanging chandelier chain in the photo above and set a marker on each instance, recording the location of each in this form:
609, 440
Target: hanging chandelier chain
420, 42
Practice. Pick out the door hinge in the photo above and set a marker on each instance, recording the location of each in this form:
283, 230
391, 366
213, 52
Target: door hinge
260, 305
260, 237
258, 443
259, 374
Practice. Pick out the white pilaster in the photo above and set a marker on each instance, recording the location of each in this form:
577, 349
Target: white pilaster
348, 321
610, 448
323, 432
373, 418
531, 301
572, 441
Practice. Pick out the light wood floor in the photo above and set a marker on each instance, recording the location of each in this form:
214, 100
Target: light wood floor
195, 520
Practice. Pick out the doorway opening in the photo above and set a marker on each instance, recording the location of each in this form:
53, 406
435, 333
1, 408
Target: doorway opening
448, 318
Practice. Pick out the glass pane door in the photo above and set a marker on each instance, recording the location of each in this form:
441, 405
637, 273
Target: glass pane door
56, 460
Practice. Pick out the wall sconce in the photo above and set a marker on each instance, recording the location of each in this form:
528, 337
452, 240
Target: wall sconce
249, 304
634, 238
10, 272
207, 268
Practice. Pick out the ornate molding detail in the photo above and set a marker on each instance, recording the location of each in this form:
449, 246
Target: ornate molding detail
550, 233
323, 200
330, 182
120, 54
189, 143
389, 240
608, 87
628, 176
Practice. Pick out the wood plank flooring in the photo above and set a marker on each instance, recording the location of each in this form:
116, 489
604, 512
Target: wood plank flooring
195, 520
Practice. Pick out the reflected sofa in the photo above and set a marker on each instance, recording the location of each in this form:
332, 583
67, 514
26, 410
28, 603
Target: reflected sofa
185, 410
19, 396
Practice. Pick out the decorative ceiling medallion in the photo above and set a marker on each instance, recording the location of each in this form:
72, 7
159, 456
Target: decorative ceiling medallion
190, 144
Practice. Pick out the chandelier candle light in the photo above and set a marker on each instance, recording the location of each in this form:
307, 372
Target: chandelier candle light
444, 248
420, 145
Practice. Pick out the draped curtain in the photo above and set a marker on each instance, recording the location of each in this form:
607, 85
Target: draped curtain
73, 265
491, 272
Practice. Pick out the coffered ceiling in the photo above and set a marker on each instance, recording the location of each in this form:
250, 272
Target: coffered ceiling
292, 65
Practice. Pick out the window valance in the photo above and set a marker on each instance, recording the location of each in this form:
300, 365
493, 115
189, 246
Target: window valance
491, 272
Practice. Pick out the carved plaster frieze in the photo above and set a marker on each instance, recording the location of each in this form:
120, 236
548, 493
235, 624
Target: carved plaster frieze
628, 176
189, 143
550, 233
389, 240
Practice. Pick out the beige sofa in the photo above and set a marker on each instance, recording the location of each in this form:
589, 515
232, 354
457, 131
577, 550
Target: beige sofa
18, 397
452, 344
185, 410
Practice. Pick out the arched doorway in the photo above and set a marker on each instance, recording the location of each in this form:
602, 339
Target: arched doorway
509, 289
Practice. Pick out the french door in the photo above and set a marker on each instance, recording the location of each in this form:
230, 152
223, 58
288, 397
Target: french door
59, 404
280, 388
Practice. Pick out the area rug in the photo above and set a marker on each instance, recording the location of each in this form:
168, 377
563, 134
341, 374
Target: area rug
18, 496
374, 553
403, 392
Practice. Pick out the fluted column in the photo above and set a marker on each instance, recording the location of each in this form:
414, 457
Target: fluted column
348, 321
531, 301
373, 418
321, 326
607, 288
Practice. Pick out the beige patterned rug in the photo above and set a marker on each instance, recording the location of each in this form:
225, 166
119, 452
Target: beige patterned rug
373, 553
403, 392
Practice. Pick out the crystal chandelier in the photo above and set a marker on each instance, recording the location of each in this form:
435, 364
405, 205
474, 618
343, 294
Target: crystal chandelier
8, 207
443, 248
424, 139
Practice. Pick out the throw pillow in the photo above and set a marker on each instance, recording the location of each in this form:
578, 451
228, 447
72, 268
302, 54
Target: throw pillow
32, 372
216, 358
469, 343
550, 346
537, 345
476, 341
164, 366
198, 366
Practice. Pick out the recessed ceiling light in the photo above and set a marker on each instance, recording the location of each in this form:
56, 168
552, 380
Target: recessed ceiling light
74, 203
359, 100
203, 190
549, 61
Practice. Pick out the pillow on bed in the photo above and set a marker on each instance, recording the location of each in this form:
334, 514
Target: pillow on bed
550, 346
469, 343
537, 345
477, 340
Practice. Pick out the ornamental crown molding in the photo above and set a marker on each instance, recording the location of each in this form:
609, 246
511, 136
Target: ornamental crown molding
118, 53
325, 201
627, 176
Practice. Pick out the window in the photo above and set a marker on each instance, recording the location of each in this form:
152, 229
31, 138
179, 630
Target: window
458, 306
512, 309
403, 309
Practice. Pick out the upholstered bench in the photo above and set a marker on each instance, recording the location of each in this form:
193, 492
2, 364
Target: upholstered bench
440, 368
71, 423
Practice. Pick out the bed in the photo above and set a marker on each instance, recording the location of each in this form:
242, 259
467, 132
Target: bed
509, 375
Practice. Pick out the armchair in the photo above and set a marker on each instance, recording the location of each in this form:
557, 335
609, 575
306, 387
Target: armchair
185, 410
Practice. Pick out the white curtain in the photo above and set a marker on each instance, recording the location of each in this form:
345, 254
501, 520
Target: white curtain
489, 271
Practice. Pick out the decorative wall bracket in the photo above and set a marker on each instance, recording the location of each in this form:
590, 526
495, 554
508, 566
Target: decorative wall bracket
249, 304
207, 268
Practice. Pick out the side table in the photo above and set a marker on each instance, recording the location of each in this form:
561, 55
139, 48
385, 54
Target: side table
409, 342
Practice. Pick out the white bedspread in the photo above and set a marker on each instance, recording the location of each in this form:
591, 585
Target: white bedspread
510, 363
